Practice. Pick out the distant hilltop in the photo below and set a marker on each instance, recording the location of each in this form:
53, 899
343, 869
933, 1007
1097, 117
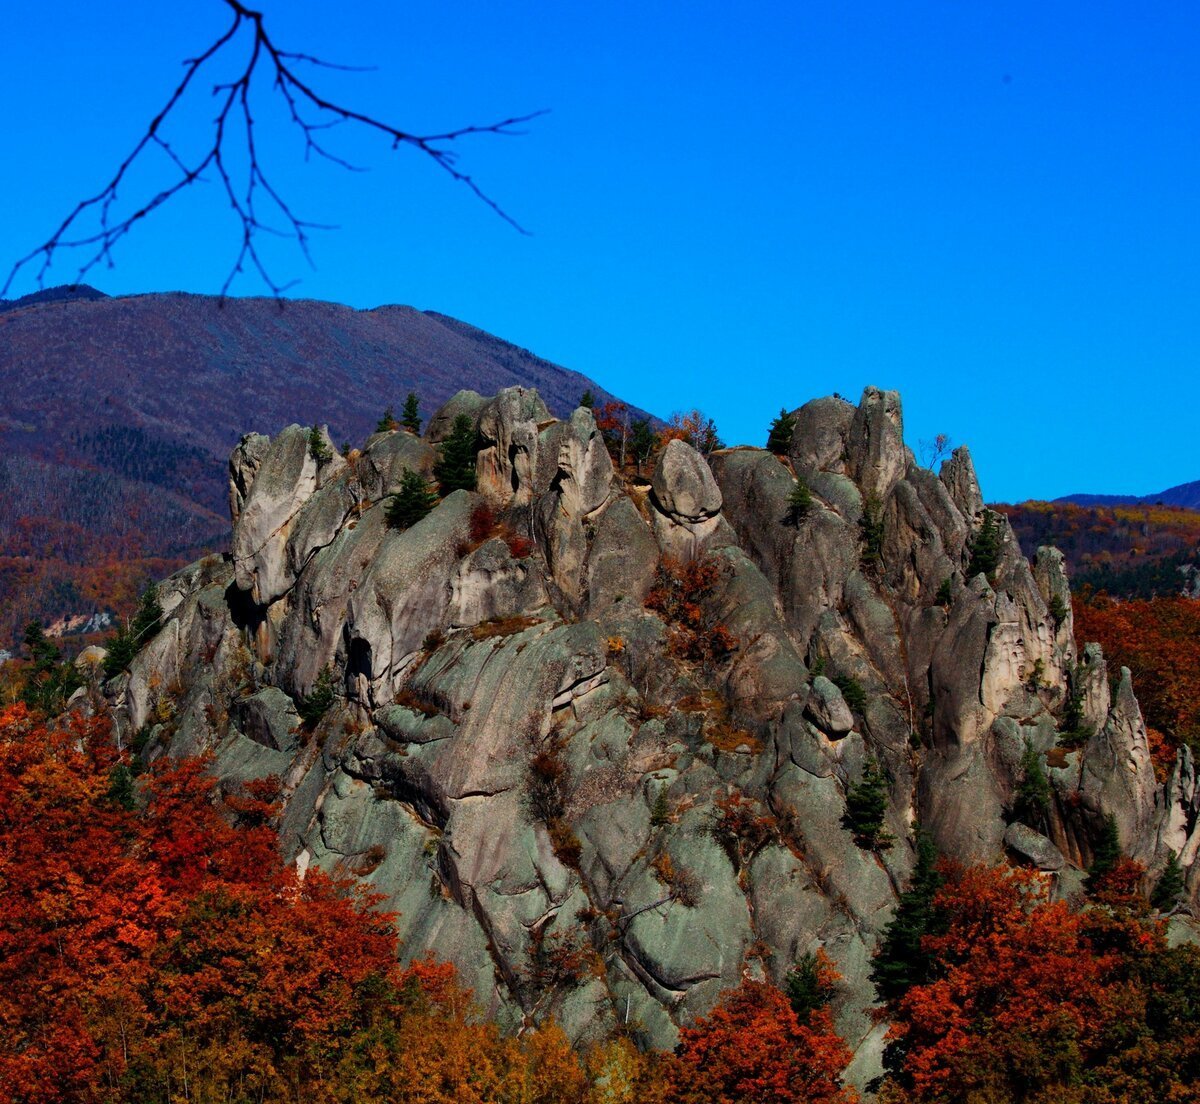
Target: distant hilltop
1186, 495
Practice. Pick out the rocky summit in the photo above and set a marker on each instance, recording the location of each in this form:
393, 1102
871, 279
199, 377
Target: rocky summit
611, 744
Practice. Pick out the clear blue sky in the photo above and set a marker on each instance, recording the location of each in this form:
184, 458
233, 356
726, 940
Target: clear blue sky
993, 207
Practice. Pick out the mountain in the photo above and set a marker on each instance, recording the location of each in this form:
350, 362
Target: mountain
609, 747
1186, 495
119, 413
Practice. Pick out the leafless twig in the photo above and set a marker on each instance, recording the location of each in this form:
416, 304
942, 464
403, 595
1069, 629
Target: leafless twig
254, 199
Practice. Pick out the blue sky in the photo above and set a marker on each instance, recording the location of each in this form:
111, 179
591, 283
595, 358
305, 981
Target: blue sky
991, 207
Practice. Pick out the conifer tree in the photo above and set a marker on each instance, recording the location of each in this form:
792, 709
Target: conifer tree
455, 468
387, 423
1169, 886
901, 962
587, 399
411, 503
800, 502
410, 416
312, 707
866, 806
317, 448
779, 438
661, 813
1106, 854
641, 443
985, 548
43, 652
124, 644
807, 986
1033, 791
870, 529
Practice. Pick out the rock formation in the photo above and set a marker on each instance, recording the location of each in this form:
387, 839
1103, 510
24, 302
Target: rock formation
608, 812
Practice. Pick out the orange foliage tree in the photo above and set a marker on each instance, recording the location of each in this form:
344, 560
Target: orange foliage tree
1033, 1000
683, 594
165, 953
753, 1047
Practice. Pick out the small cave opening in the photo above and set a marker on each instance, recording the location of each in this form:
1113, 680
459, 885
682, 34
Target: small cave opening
513, 452
244, 611
358, 669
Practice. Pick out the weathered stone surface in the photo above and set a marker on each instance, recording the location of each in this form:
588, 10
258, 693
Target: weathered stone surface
464, 647
286, 477
819, 439
244, 463
876, 456
1118, 777
508, 427
470, 403
828, 709
385, 460
1034, 847
684, 487
269, 718
958, 473
579, 489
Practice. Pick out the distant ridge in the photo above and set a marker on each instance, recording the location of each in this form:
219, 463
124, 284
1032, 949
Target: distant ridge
60, 294
1186, 495
119, 415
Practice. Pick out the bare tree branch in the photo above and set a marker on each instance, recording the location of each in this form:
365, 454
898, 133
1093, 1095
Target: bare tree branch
253, 198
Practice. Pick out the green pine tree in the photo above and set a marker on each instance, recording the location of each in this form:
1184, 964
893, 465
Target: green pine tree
455, 468
123, 645
587, 399
1033, 791
50, 681
315, 705
799, 503
1170, 885
870, 529
866, 807
410, 416
661, 813
42, 651
411, 503
148, 618
120, 788
1106, 854
317, 448
641, 442
901, 962
387, 423
805, 987
1074, 731
779, 437
985, 548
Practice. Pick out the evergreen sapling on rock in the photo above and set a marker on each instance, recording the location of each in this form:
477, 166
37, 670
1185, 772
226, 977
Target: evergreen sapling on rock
411, 503
455, 469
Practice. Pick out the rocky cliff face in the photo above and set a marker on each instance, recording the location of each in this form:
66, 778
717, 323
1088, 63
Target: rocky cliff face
605, 811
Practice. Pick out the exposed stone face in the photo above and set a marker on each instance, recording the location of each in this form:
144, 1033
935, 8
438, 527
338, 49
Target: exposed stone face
819, 439
458, 656
509, 427
877, 458
683, 485
958, 473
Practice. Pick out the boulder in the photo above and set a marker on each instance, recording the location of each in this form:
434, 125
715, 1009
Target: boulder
827, 709
683, 485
